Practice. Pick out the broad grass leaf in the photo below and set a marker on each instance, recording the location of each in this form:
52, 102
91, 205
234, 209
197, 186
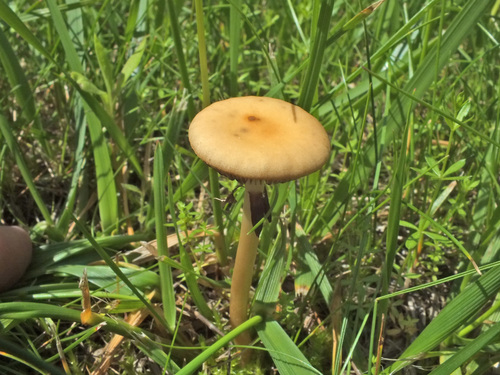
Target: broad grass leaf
286, 355
104, 277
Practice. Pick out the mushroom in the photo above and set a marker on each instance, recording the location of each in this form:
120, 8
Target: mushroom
15, 255
256, 140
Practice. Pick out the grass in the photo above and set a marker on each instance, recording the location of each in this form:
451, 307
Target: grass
390, 262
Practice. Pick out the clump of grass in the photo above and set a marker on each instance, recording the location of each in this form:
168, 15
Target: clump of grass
391, 257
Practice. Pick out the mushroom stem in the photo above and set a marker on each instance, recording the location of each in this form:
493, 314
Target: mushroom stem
244, 265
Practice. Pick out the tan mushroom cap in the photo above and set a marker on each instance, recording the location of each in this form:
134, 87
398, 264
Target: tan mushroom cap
259, 138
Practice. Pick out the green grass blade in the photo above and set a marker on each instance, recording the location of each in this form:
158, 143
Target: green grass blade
393, 227
436, 110
166, 278
269, 286
33, 310
59, 252
13, 21
234, 45
8, 348
296, 22
311, 79
192, 366
133, 21
424, 76
75, 20
220, 247
6, 132
191, 276
105, 278
103, 117
287, 357
111, 264
198, 173
71, 56
447, 233
106, 187
468, 351
79, 162
176, 35
22, 90
312, 271
455, 314
202, 53
133, 61
106, 69
28, 310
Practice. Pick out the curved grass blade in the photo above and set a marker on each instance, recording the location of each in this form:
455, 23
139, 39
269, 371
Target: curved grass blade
447, 233
70, 51
9, 349
33, 310
145, 340
54, 254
